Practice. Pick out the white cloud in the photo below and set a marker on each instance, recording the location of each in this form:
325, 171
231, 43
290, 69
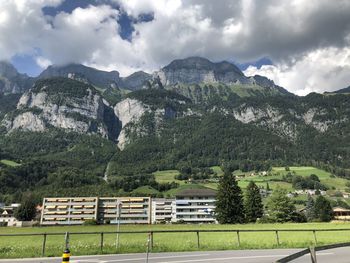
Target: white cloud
21, 25
43, 62
304, 38
318, 71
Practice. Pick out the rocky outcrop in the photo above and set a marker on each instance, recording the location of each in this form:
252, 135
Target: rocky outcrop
267, 117
39, 109
128, 111
136, 81
196, 70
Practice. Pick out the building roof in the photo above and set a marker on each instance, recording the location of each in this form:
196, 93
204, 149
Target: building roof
196, 192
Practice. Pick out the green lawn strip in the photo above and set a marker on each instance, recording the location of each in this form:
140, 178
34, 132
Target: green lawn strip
145, 190
172, 192
10, 163
167, 176
12, 247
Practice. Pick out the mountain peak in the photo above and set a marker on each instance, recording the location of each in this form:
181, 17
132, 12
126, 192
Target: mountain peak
201, 63
344, 90
195, 70
7, 70
190, 63
98, 78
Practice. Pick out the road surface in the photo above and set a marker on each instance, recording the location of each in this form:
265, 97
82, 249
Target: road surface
339, 255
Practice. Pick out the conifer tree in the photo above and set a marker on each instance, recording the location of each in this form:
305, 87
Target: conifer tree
323, 209
280, 207
310, 209
253, 205
229, 201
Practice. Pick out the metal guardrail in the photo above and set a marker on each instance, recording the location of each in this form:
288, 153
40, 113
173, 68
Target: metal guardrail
197, 232
312, 251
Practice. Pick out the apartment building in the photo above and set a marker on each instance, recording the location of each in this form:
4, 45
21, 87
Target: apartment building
69, 210
133, 210
76, 210
195, 206
190, 206
162, 210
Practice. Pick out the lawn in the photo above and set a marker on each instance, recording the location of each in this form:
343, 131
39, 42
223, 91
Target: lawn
337, 183
10, 163
31, 246
325, 177
167, 176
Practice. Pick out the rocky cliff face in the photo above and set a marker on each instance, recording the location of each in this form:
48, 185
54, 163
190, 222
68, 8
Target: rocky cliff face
128, 111
136, 81
196, 70
98, 78
81, 110
11, 81
285, 121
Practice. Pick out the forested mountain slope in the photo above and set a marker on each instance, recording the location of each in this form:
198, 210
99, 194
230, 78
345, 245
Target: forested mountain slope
67, 134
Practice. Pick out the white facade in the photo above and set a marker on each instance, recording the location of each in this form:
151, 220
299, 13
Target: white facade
68, 210
133, 210
162, 210
6, 216
195, 206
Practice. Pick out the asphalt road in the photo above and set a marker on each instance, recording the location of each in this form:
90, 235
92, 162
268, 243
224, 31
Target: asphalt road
340, 255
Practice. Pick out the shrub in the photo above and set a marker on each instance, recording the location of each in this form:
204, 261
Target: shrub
90, 222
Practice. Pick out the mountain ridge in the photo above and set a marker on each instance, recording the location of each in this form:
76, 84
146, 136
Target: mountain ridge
198, 70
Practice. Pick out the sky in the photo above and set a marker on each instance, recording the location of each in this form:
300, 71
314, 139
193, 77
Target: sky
302, 45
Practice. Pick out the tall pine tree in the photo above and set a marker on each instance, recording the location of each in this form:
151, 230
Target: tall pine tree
253, 205
323, 209
229, 201
310, 209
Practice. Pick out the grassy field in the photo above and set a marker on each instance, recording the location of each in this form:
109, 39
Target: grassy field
277, 173
9, 163
167, 176
11, 247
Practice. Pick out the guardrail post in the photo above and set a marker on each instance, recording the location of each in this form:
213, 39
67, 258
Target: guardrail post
66, 240
148, 246
198, 245
101, 243
238, 239
151, 240
44, 245
314, 232
277, 238
313, 255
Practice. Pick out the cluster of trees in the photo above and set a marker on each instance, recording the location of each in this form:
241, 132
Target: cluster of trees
319, 209
187, 173
27, 209
130, 183
301, 182
233, 207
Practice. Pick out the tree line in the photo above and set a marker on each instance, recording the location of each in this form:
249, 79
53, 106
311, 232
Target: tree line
233, 206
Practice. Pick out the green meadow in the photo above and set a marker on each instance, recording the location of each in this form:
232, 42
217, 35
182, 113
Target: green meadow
9, 163
273, 179
31, 246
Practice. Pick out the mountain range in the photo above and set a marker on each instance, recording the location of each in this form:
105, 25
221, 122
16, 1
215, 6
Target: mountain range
78, 124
